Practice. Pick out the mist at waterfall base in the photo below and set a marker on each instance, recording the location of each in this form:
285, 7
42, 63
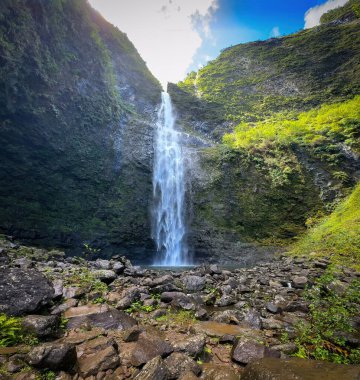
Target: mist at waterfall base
169, 228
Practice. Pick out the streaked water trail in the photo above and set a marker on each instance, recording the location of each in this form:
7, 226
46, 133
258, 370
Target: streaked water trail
169, 230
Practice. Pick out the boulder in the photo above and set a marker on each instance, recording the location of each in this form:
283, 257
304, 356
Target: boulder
147, 349
246, 351
55, 356
99, 354
104, 275
178, 363
23, 291
193, 283
155, 369
289, 369
299, 282
192, 346
219, 372
41, 326
99, 316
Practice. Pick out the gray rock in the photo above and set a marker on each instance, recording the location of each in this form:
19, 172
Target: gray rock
192, 346
178, 363
147, 349
118, 267
193, 283
74, 292
54, 356
246, 351
104, 275
272, 308
252, 319
99, 354
58, 286
155, 369
102, 264
299, 282
111, 319
23, 291
41, 326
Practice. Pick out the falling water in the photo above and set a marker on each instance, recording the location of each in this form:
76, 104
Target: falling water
169, 190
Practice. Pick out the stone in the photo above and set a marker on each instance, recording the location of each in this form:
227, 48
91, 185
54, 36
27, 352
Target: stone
66, 305
102, 264
147, 349
74, 291
58, 286
15, 364
219, 372
227, 338
23, 291
193, 283
118, 267
252, 318
192, 346
104, 275
155, 369
246, 351
290, 369
41, 326
299, 282
214, 269
178, 363
103, 316
132, 334
56, 356
272, 308
99, 354
225, 300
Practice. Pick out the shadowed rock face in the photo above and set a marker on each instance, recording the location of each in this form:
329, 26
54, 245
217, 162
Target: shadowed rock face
23, 291
290, 369
76, 114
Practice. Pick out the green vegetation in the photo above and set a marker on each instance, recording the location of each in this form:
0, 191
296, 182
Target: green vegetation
139, 306
350, 11
178, 317
330, 124
10, 330
250, 82
337, 235
62, 66
330, 320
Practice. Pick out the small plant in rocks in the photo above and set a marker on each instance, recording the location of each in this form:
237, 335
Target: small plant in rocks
324, 335
10, 330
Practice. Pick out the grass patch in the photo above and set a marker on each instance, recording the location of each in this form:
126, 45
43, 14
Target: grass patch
337, 235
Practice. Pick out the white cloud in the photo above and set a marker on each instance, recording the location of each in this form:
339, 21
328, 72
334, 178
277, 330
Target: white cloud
166, 33
313, 15
275, 32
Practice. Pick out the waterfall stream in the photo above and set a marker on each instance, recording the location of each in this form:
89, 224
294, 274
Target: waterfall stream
169, 191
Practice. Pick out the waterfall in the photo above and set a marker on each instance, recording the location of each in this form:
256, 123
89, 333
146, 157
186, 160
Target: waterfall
169, 190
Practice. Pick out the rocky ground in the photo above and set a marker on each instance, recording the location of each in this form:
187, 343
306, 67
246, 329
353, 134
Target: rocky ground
108, 319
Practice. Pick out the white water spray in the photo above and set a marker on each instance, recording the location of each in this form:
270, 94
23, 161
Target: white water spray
169, 191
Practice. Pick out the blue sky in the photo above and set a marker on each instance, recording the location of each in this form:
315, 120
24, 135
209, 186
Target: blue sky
175, 37
239, 21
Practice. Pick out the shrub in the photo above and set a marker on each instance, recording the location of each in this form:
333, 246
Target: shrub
10, 330
322, 337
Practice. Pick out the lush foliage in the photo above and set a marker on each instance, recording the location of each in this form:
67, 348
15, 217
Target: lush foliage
350, 11
10, 330
323, 337
338, 235
332, 123
249, 82
138, 306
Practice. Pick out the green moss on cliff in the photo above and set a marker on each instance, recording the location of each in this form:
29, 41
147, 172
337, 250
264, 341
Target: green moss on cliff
350, 11
337, 235
67, 78
252, 81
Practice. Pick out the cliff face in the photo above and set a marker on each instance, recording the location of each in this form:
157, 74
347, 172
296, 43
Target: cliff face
77, 105
250, 198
